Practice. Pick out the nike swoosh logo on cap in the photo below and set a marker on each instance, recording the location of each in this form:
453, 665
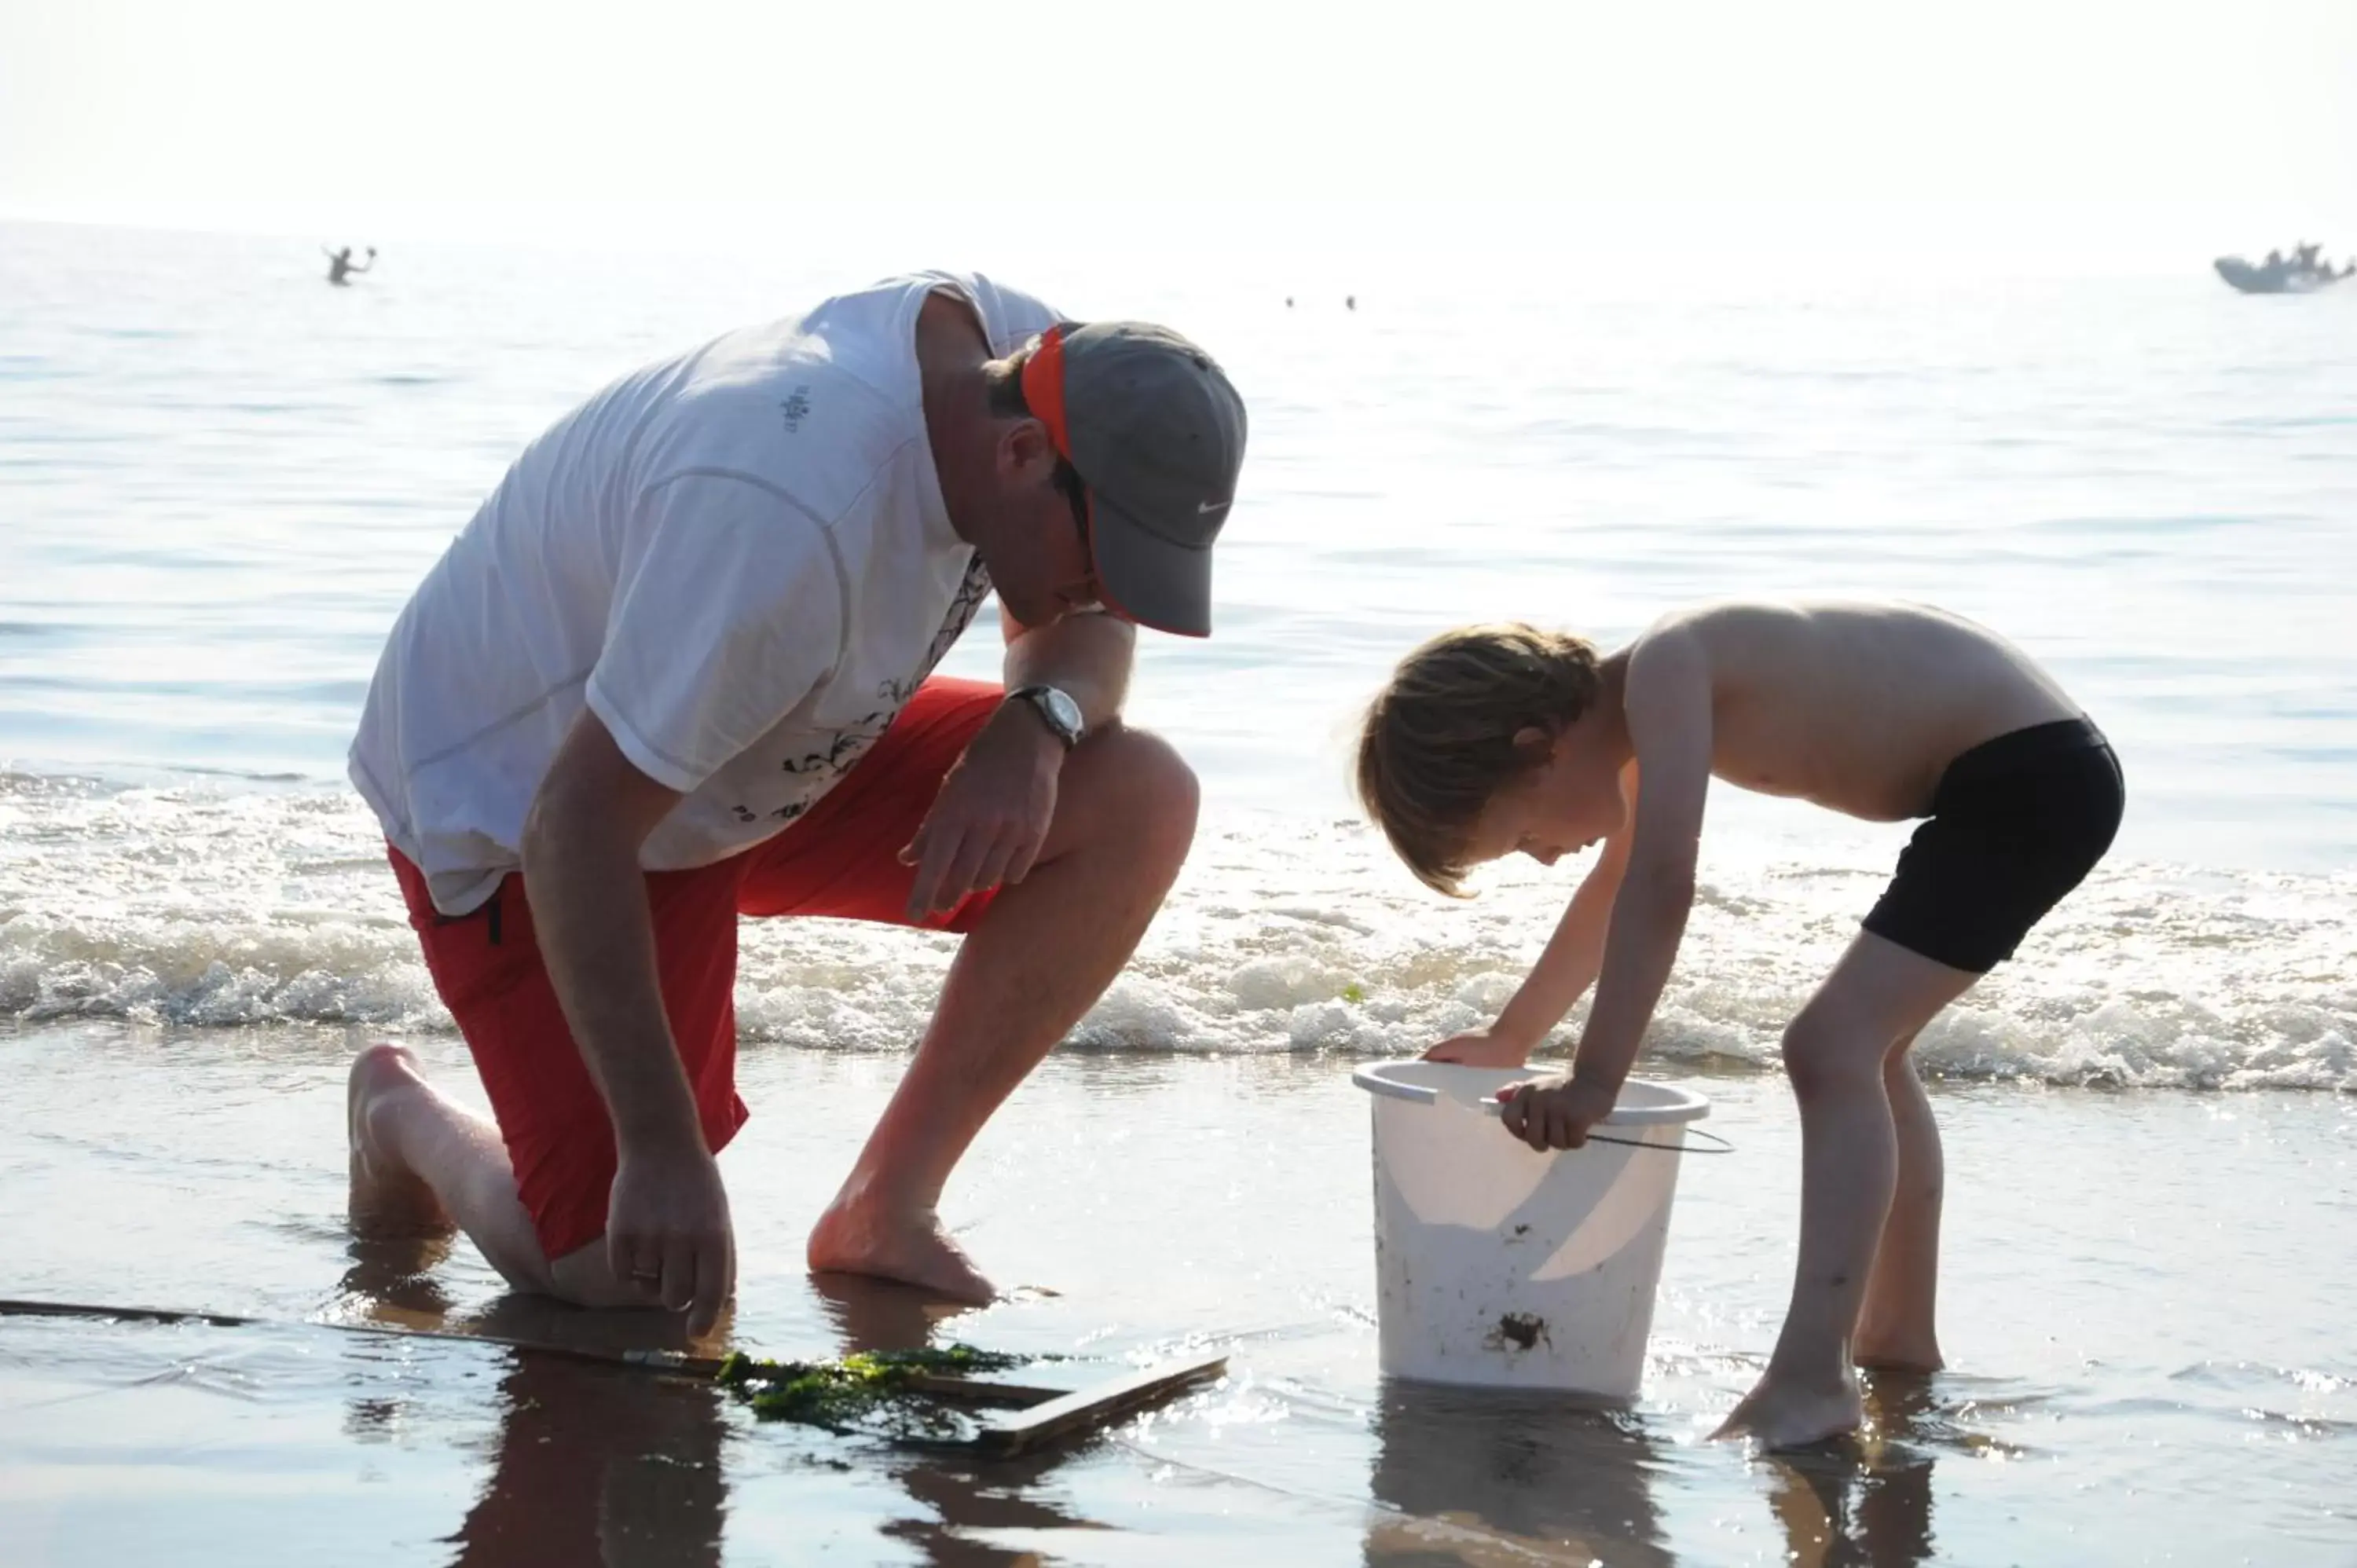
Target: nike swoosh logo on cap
1201, 507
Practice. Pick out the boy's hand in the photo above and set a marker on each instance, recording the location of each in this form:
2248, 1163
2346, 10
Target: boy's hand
1480, 1048
1553, 1112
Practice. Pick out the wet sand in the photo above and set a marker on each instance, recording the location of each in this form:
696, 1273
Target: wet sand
2143, 1305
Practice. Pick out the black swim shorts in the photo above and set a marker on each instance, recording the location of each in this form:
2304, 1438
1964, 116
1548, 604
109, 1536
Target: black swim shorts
2017, 823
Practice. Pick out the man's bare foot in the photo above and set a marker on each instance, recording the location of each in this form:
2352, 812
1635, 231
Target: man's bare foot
854, 1238
1786, 1415
387, 1199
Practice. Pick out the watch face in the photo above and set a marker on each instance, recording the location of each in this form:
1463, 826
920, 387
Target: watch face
1063, 709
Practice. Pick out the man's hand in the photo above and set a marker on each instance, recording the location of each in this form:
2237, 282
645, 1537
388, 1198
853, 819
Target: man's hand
667, 1232
992, 814
1554, 1112
1481, 1048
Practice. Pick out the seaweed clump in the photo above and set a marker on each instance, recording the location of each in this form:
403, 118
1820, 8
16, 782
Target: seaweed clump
874, 1392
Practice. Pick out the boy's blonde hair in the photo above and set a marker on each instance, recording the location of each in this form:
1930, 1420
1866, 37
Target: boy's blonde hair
1438, 740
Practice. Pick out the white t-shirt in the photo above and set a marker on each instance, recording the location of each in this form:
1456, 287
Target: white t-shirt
738, 559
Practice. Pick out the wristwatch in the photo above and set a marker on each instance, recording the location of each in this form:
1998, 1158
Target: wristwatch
1056, 710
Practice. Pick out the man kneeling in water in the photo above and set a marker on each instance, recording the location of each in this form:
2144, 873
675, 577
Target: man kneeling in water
679, 669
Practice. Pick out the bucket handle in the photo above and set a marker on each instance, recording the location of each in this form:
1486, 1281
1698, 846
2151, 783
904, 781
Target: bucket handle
1492, 1107
1424, 1094
1717, 1145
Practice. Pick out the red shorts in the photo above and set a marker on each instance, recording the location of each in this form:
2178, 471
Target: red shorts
841, 859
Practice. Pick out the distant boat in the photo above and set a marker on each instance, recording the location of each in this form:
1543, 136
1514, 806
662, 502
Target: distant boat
2278, 277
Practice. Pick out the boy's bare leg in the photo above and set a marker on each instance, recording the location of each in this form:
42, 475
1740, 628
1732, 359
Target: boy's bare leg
1039, 958
423, 1165
1896, 1330
1835, 1053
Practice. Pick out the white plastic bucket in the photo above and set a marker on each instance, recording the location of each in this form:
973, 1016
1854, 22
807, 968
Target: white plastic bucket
1498, 1264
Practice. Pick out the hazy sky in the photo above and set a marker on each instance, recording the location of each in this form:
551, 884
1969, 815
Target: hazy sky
1200, 124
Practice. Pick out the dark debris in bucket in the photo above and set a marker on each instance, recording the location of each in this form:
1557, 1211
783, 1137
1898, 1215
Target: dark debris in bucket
1519, 1331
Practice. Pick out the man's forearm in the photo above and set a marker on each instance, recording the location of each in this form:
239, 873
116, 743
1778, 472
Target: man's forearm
597, 938
1087, 656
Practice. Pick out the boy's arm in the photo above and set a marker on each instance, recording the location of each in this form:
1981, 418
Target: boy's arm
1564, 971
1667, 702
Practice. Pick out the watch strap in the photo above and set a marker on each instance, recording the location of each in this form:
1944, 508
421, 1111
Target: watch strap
1037, 697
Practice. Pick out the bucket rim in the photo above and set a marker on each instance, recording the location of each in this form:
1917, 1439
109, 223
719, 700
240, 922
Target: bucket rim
1680, 1104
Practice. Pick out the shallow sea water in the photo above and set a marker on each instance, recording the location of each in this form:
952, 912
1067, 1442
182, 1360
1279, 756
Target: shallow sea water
218, 481
2144, 1307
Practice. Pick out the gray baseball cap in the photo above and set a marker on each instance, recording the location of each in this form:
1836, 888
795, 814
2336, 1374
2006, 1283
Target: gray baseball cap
1156, 434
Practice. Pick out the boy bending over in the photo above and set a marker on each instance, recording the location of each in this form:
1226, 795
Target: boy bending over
1495, 739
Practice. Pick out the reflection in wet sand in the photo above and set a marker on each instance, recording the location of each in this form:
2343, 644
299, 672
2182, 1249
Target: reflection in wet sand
879, 1315
959, 1496
967, 1499
1484, 1476
595, 1465
613, 1466
599, 1466
391, 1281
1866, 1502
1839, 1513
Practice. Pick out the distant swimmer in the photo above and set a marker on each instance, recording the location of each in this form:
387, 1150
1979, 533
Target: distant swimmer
341, 266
